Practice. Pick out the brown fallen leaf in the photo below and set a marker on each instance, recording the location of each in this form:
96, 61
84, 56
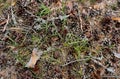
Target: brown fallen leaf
54, 39
34, 58
95, 75
116, 19
13, 3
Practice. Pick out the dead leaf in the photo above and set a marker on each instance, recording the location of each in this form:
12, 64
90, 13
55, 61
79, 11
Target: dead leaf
95, 75
54, 39
13, 3
117, 55
111, 69
70, 5
34, 58
116, 19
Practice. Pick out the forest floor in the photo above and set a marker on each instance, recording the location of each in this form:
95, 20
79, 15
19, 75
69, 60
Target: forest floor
59, 39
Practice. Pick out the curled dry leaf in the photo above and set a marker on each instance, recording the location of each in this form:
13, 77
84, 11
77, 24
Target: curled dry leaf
34, 57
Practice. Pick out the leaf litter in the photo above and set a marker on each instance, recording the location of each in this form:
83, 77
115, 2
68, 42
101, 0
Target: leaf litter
36, 54
51, 35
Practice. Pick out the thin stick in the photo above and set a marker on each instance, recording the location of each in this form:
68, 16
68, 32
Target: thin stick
13, 16
73, 62
6, 24
111, 76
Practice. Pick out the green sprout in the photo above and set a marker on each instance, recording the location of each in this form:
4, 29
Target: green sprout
44, 10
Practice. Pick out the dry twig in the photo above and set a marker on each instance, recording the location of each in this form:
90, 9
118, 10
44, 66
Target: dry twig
5, 26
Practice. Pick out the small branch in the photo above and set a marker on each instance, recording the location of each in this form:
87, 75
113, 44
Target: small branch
6, 23
74, 62
13, 16
3, 22
81, 24
80, 21
111, 76
99, 63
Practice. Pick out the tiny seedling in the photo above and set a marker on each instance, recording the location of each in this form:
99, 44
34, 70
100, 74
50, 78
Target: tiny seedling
44, 10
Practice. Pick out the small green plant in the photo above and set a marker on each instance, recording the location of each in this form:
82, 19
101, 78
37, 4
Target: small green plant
113, 7
4, 4
82, 1
44, 10
12, 42
92, 1
35, 39
79, 45
21, 56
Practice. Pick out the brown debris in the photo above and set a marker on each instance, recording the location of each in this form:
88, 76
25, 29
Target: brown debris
76, 39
